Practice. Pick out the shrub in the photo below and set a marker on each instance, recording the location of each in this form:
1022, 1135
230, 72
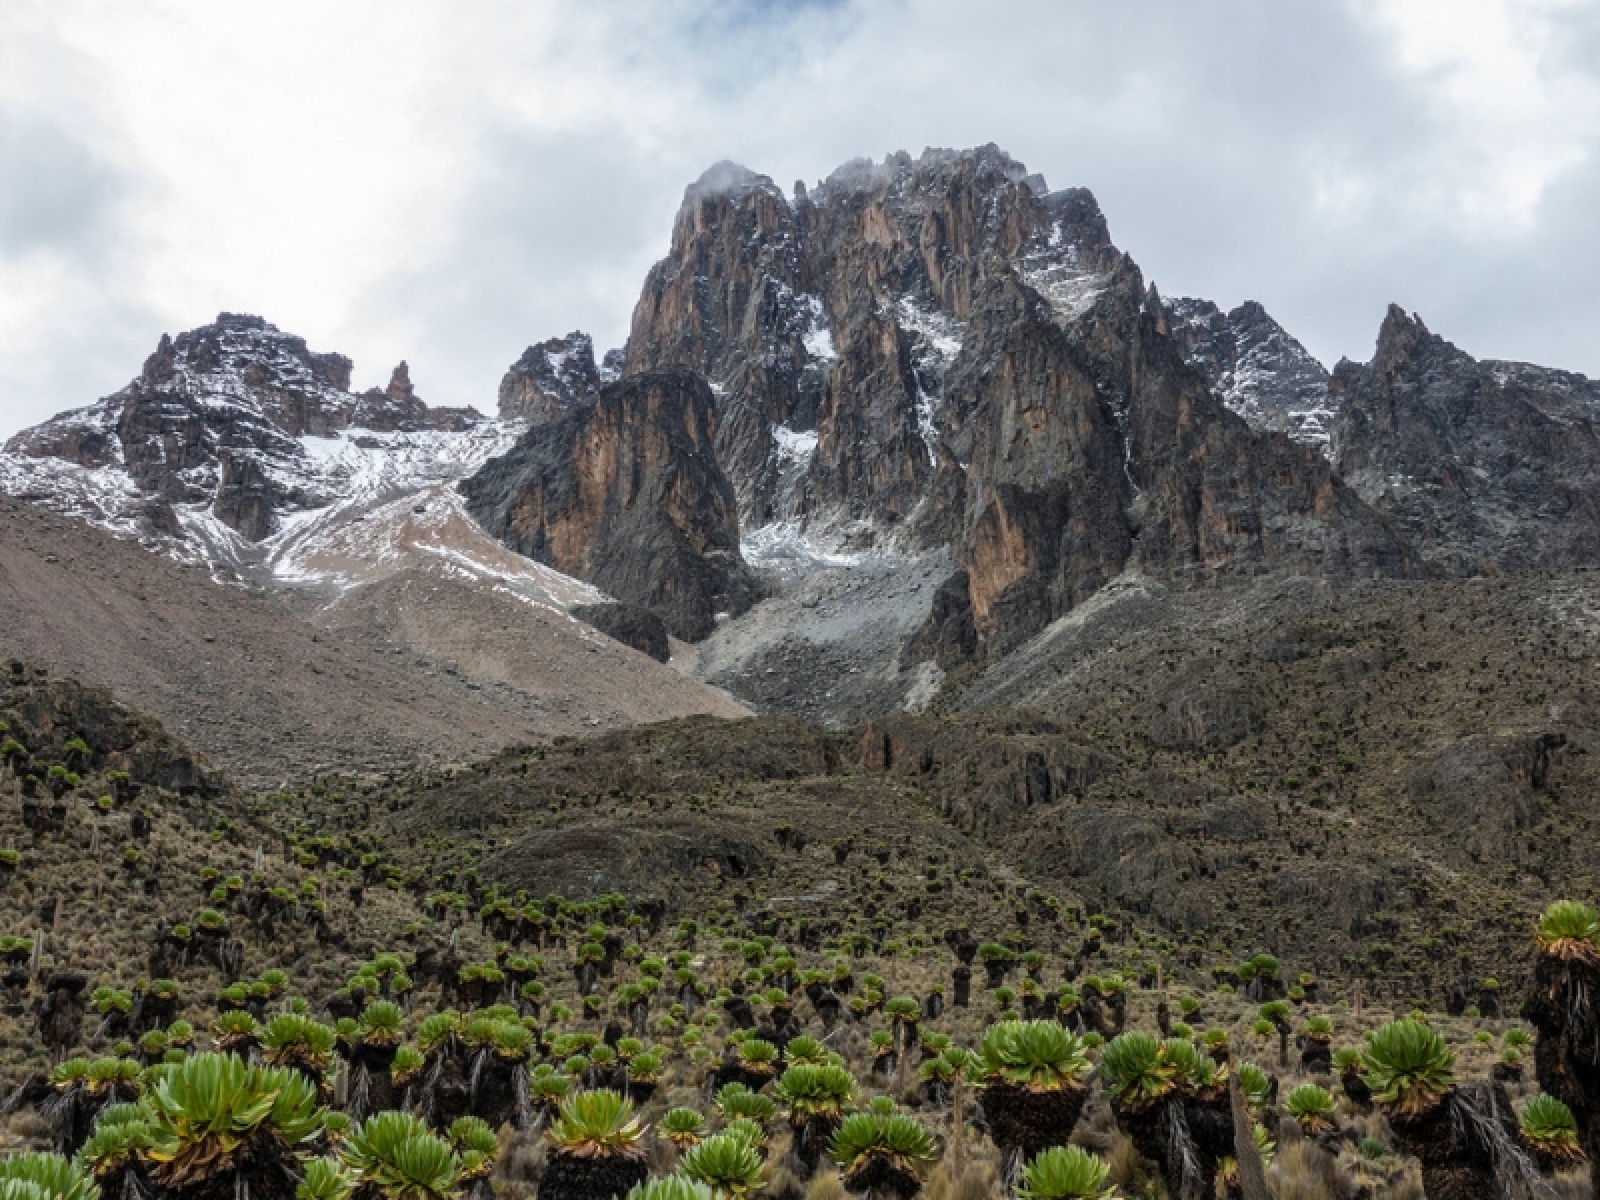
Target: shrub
395, 1154
734, 1100
121, 1133
1569, 927
408, 1061
1312, 1106
381, 1022
1407, 1066
805, 1050
899, 1139
673, 1187
1255, 1085
203, 1110
1548, 1126
45, 1177
476, 1143
325, 1179
297, 1039
1065, 1173
812, 1091
596, 1122
1034, 1054
1136, 1072
727, 1164
682, 1127
756, 1053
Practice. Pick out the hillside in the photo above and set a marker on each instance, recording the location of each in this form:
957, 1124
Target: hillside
1383, 782
271, 697
172, 917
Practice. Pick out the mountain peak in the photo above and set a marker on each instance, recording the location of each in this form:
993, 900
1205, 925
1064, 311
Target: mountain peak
731, 179
400, 387
1255, 367
1401, 338
215, 428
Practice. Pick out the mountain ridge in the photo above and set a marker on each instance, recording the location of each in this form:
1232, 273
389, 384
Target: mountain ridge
929, 364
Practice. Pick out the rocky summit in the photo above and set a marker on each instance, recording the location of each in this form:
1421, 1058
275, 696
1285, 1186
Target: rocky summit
1255, 366
1482, 466
213, 421
549, 379
943, 352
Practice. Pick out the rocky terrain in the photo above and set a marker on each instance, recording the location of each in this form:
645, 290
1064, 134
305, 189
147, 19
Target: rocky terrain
214, 429
1105, 642
550, 378
1165, 615
924, 363
942, 352
1386, 787
346, 927
1483, 466
1255, 366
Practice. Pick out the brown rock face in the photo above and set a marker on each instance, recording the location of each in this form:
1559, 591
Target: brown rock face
632, 626
214, 418
1484, 465
549, 379
942, 351
626, 492
734, 301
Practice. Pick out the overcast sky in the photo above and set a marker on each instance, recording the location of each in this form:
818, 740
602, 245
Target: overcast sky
448, 180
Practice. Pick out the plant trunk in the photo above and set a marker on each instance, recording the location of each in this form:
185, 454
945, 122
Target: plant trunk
1252, 1175
1024, 1123
1562, 1003
961, 987
571, 1177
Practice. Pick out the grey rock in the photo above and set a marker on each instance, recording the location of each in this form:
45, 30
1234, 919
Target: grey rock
550, 378
1484, 465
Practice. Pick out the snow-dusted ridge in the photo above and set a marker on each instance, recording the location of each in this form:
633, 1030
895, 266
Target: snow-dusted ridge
394, 506
239, 450
1256, 368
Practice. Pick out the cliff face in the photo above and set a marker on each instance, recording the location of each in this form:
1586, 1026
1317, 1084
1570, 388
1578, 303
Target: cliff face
735, 302
216, 422
625, 491
1486, 466
942, 351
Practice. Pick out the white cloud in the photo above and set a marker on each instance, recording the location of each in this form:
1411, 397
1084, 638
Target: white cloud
447, 182
1512, 115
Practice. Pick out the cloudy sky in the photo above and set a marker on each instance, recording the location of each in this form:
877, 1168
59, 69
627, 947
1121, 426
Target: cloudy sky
448, 180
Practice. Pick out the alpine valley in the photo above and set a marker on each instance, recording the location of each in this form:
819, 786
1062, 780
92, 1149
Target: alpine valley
915, 577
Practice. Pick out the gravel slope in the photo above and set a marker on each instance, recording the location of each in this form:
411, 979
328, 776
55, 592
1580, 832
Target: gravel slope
270, 697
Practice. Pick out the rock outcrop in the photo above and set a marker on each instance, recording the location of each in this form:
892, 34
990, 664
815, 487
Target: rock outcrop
550, 378
1255, 367
625, 491
215, 427
734, 300
1485, 466
398, 409
631, 625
